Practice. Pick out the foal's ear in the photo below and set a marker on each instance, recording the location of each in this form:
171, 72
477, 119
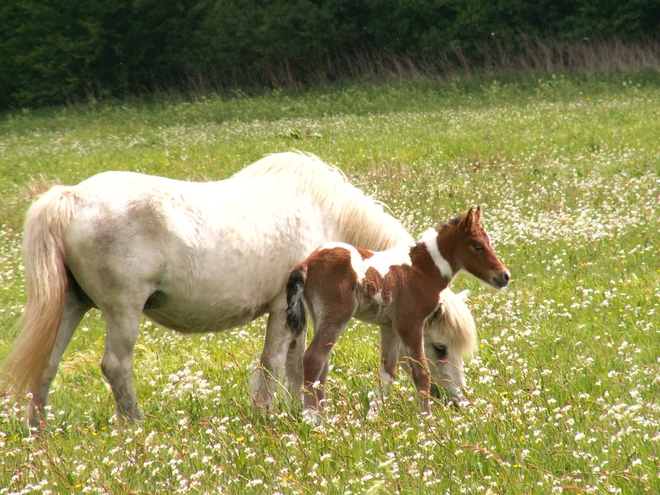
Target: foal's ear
469, 218
472, 218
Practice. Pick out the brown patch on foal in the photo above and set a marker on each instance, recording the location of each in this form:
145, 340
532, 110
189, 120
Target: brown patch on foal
372, 283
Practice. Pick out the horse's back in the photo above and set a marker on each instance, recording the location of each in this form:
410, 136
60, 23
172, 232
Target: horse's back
202, 256
363, 221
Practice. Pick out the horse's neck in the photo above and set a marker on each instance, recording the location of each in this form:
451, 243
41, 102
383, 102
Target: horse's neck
433, 265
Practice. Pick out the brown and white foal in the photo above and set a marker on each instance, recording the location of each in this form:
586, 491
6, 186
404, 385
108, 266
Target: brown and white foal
398, 289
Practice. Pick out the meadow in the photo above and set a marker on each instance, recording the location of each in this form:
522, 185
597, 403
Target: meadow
564, 391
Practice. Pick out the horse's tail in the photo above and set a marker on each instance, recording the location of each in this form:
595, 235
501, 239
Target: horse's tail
46, 279
296, 316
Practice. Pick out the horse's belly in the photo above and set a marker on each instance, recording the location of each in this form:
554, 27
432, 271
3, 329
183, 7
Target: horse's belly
216, 300
202, 321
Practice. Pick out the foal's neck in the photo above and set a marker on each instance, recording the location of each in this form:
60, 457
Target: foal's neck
427, 258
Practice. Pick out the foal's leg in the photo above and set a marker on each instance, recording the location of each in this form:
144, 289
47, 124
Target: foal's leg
74, 310
122, 326
266, 377
320, 390
413, 338
390, 345
317, 356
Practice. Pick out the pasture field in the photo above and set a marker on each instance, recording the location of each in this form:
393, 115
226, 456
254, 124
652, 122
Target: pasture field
564, 392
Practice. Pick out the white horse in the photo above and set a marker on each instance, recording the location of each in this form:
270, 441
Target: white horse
193, 257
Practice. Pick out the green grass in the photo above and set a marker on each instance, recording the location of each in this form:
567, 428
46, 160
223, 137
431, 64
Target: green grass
564, 389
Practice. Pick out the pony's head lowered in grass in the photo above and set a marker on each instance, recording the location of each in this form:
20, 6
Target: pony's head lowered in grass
449, 336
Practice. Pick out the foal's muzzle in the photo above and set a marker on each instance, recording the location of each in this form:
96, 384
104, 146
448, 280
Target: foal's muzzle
501, 280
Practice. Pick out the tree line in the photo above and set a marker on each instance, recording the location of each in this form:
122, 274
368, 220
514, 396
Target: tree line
53, 51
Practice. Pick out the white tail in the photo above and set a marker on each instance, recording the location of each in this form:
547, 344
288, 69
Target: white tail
46, 279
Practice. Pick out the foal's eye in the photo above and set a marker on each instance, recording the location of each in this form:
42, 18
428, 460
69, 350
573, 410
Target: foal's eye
478, 247
440, 350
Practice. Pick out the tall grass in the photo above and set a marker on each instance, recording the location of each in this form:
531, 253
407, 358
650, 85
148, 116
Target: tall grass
526, 55
564, 389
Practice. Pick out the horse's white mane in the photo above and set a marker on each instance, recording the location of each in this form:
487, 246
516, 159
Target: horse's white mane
458, 323
328, 186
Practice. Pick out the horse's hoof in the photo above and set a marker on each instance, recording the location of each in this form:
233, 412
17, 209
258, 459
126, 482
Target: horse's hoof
311, 417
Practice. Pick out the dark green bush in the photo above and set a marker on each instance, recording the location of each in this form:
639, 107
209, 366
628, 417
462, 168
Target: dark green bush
52, 51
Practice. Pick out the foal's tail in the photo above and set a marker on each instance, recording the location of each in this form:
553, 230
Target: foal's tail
296, 316
46, 278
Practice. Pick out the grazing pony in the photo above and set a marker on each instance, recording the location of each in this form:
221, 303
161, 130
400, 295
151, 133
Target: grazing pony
193, 257
398, 289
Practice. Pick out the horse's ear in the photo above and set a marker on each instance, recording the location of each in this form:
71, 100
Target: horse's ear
463, 295
478, 215
468, 220
438, 311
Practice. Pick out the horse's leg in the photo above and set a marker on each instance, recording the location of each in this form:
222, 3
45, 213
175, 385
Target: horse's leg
390, 345
413, 339
74, 310
322, 379
294, 365
266, 377
317, 356
122, 328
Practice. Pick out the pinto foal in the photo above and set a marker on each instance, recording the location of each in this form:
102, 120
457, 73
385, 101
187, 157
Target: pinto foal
398, 289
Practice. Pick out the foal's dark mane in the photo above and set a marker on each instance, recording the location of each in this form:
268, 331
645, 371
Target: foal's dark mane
453, 222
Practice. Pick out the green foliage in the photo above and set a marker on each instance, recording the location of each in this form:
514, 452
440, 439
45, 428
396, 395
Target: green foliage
240, 36
440, 25
54, 51
51, 51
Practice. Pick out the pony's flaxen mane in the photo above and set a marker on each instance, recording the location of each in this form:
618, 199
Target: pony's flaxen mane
329, 187
458, 323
